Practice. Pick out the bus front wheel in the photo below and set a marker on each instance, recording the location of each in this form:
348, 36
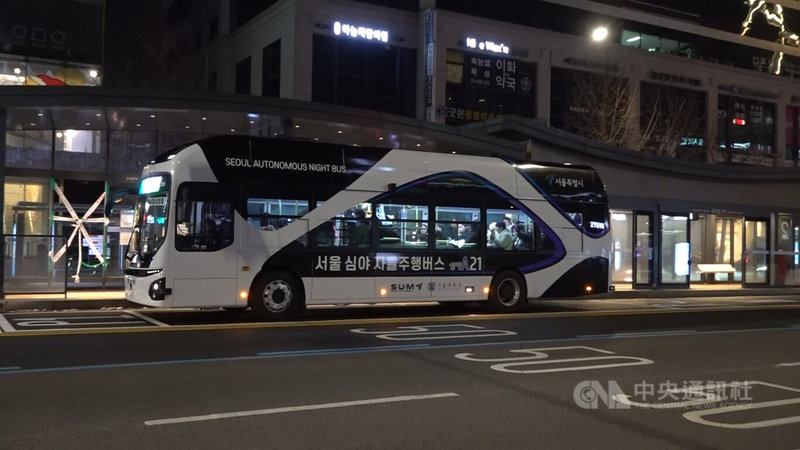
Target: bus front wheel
275, 296
507, 292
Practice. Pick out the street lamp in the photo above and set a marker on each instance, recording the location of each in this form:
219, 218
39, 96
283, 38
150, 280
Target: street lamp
599, 34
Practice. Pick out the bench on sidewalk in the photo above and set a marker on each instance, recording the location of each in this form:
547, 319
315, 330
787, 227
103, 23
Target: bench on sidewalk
706, 269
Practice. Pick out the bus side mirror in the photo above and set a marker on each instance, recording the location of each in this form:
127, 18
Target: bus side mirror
114, 198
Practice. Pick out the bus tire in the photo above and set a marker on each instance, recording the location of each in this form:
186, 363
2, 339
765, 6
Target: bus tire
276, 296
507, 292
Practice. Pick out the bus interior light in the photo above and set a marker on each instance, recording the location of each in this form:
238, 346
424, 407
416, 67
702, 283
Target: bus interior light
469, 289
383, 292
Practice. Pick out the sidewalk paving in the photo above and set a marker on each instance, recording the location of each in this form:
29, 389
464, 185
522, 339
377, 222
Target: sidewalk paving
100, 299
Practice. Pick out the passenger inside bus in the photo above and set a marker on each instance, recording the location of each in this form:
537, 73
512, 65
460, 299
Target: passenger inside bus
523, 240
500, 236
360, 233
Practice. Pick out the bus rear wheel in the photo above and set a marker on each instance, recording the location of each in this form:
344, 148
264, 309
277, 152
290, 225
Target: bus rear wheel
507, 292
275, 296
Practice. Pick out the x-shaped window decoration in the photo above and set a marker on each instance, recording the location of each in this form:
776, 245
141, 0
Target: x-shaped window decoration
78, 222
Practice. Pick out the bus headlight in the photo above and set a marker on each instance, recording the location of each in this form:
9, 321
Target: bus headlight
157, 289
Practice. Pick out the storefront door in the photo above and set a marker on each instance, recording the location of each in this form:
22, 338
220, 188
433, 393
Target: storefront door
643, 251
756, 252
675, 256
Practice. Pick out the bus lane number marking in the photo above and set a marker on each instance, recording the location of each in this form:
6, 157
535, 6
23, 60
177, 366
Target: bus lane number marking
710, 396
450, 331
539, 357
56, 322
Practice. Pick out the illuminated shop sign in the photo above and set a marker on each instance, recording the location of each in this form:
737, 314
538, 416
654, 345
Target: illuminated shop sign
360, 32
488, 46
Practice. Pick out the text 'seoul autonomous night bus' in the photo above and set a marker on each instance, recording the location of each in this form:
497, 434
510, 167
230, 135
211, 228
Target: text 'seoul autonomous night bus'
275, 225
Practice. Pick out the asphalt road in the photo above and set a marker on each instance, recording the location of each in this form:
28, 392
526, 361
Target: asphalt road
601, 379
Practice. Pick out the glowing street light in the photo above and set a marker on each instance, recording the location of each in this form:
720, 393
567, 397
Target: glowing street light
599, 34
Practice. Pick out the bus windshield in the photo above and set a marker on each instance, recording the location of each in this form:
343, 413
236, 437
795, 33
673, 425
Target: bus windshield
150, 218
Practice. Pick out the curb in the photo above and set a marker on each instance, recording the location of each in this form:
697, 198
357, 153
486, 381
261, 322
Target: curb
34, 304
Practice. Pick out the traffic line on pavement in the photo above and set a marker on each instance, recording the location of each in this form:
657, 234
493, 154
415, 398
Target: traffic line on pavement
146, 319
638, 334
4, 325
335, 351
789, 364
261, 412
10, 368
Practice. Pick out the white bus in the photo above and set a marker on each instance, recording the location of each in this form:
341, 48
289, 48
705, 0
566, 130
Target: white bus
275, 225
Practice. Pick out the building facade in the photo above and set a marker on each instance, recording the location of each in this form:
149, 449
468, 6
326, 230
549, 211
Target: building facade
717, 187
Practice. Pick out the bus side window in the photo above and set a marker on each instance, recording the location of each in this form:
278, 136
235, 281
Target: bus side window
203, 226
457, 227
203, 217
350, 228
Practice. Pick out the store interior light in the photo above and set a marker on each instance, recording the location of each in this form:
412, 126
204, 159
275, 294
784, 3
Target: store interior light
634, 39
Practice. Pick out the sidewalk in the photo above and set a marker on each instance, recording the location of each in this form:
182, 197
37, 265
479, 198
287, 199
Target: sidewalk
98, 299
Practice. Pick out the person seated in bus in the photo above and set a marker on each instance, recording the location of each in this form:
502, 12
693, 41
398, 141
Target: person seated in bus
360, 234
224, 232
470, 234
524, 240
422, 233
500, 236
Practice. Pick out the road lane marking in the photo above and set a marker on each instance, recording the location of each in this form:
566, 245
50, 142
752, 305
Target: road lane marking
261, 412
791, 364
638, 334
256, 357
418, 333
699, 416
99, 315
392, 320
10, 368
30, 323
147, 319
4, 325
335, 351
541, 356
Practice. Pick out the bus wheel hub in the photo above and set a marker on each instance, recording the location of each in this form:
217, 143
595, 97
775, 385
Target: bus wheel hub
277, 296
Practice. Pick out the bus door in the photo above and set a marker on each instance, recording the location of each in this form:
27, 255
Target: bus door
202, 270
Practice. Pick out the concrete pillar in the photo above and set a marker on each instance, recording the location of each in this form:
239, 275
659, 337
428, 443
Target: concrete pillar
3, 115
712, 106
543, 82
780, 133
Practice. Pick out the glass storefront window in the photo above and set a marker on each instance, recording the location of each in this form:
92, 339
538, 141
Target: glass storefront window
483, 86
20, 73
130, 151
29, 148
745, 127
80, 150
26, 207
787, 254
